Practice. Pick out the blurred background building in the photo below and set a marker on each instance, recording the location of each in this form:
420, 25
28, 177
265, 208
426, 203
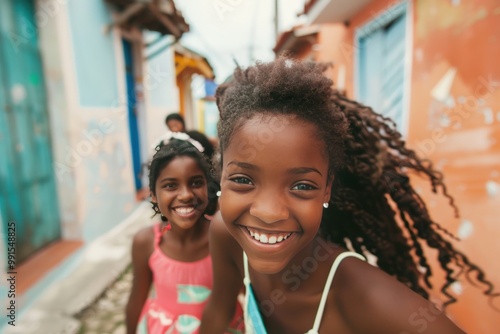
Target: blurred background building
432, 67
85, 87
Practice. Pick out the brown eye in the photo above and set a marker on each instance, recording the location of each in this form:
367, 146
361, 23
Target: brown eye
198, 183
303, 186
241, 180
169, 186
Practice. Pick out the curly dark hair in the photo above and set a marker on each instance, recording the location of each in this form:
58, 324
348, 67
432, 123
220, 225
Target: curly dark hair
176, 117
181, 148
371, 164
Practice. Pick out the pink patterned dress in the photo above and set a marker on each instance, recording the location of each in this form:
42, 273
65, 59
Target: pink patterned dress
182, 290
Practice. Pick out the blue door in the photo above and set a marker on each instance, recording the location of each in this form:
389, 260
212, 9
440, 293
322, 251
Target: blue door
381, 65
28, 193
132, 113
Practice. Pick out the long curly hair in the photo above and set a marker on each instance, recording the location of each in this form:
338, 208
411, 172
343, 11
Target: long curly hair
373, 207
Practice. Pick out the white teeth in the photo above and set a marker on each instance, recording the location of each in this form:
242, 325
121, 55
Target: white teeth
268, 239
184, 210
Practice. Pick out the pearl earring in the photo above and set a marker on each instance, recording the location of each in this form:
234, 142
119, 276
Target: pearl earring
218, 193
325, 205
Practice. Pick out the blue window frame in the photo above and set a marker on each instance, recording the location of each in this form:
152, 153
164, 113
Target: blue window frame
381, 69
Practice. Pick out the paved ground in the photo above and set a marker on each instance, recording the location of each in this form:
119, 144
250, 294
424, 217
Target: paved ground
107, 314
98, 267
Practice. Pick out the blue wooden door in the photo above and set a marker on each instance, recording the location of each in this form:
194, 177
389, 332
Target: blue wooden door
132, 113
28, 193
381, 68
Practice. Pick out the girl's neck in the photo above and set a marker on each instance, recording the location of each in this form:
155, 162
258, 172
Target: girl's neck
184, 236
308, 268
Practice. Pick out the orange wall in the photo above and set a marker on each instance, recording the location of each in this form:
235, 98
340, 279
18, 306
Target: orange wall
458, 128
465, 38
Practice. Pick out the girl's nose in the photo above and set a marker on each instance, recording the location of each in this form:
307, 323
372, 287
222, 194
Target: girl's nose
185, 194
269, 209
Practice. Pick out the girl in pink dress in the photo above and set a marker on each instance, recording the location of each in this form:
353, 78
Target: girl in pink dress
174, 254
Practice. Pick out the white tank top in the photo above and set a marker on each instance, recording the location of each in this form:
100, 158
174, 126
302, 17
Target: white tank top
253, 319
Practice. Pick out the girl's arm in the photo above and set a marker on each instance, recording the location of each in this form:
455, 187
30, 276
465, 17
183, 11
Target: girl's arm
227, 279
402, 311
374, 302
142, 247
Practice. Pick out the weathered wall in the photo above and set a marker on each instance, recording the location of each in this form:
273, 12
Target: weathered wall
52, 16
87, 105
454, 119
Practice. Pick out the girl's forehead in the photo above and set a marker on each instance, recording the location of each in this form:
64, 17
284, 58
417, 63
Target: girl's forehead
182, 162
265, 127
277, 138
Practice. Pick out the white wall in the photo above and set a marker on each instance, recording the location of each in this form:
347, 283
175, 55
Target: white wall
160, 89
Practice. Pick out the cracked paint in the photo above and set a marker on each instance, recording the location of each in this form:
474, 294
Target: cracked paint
465, 230
441, 90
18, 93
488, 116
457, 288
492, 188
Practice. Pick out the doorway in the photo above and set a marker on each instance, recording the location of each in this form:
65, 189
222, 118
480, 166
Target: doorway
28, 195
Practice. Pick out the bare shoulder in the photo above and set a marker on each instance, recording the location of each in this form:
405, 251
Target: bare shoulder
365, 286
217, 226
221, 241
144, 236
373, 301
218, 230
143, 242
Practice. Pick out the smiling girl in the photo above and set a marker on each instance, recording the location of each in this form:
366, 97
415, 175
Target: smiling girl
177, 261
306, 175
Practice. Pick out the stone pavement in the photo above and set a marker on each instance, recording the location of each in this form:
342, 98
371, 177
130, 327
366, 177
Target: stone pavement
107, 314
61, 308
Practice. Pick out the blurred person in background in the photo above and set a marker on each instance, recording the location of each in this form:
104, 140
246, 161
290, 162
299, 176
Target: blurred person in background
175, 123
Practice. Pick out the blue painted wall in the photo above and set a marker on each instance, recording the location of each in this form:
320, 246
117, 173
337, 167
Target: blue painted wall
211, 118
109, 198
159, 76
94, 53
